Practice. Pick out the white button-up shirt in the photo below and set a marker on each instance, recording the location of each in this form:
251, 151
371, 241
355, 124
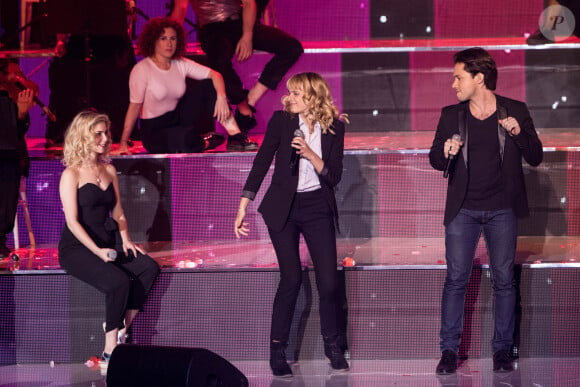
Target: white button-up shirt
307, 176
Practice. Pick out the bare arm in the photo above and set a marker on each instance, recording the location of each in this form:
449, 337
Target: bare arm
244, 47
119, 215
68, 195
179, 10
130, 120
222, 108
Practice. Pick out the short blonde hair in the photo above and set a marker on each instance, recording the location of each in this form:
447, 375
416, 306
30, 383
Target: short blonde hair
319, 104
80, 136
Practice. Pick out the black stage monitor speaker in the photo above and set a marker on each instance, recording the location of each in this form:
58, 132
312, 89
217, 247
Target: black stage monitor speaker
138, 365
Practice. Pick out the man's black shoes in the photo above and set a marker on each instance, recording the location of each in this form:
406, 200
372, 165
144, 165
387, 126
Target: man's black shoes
502, 362
448, 363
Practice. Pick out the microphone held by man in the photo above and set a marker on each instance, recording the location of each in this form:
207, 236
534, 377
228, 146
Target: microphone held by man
452, 147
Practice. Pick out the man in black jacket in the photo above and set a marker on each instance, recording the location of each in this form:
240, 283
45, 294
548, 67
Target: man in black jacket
480, 143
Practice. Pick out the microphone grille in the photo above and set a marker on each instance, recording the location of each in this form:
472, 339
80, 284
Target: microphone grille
298, 133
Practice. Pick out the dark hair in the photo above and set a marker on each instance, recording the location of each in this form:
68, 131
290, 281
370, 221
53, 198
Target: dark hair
476, 60
153, 31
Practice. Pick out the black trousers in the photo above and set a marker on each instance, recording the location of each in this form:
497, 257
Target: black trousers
180, 130
310, 216
219, 40
10, 177
125, 282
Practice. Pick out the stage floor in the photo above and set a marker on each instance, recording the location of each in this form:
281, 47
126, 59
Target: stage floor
553, 139
368, 373
366, 254
374, 45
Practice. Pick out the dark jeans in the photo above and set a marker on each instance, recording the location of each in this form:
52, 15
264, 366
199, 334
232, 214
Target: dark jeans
219, 40
310, 216
180, 130
461, 236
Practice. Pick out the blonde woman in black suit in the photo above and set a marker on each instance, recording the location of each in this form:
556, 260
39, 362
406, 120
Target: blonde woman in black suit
307, 140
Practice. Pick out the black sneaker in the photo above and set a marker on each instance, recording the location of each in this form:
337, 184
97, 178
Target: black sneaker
240, 142
212, 141
448, 363
246, 122
502, 362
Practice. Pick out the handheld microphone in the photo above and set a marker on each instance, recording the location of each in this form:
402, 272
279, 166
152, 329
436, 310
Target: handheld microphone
451, 157
294, 156
112, 255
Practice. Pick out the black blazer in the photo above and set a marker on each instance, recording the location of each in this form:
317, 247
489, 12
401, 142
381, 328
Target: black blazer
512, 148
277, 201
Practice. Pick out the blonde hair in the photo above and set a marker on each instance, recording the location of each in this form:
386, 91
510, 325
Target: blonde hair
80, 136
319, 104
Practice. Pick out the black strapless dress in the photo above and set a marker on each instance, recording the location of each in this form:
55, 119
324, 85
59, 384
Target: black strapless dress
126, 281
94, 208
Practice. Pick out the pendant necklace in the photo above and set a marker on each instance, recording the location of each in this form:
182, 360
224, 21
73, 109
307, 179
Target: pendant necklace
98, 176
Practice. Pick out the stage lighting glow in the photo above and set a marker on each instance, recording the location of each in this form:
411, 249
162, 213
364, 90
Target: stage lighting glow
41, 186
383, 19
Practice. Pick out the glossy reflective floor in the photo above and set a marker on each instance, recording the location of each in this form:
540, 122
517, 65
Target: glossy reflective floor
353, 253
368, 373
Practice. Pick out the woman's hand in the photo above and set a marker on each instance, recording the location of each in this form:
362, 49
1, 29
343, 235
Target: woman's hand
104, 255
123, 149
128, 245
222, 110
241, 227
302, 148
